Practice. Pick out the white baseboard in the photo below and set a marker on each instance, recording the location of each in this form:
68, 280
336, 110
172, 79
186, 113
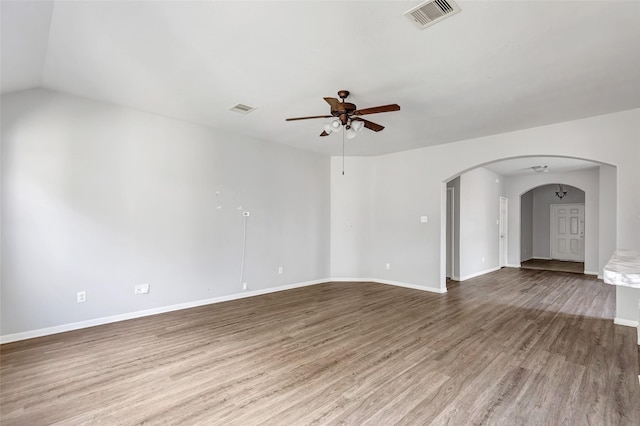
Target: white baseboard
352, 280
8, 338
412, 286
513, 265
477, 274
625, 322
591, 273
147, 312
389, 282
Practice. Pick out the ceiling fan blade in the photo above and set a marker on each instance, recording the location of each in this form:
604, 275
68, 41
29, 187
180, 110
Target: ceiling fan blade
324, 133
307, 118
333, 102
370, 125
375, 110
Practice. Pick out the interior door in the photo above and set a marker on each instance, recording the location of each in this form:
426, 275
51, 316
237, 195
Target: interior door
567, 232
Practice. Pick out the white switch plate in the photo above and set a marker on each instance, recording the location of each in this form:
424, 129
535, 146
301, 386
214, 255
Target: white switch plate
280, 270
424, 219
141, 289
81, 296
246, 214
388, 266
245, 286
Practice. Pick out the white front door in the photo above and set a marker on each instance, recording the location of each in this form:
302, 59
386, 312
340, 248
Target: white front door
567, 232
504, 203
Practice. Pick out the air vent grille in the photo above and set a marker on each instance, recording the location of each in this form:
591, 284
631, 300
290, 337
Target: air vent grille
241, 108
432, 11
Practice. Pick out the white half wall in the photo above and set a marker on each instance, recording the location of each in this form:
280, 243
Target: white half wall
98, 198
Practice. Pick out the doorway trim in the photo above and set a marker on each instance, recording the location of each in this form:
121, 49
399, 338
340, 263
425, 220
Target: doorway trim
503, 231
451, 253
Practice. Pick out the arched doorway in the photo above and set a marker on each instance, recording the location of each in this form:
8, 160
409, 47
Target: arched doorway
552, 228
599, 183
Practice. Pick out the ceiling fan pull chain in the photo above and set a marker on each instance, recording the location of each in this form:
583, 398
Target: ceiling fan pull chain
342, 153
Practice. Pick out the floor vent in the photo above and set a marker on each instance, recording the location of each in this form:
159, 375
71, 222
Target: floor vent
241, 108
431, 12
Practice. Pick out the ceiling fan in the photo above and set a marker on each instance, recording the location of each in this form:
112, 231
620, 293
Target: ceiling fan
348, 116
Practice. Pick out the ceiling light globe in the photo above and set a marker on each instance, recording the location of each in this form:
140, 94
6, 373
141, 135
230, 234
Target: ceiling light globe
357, 125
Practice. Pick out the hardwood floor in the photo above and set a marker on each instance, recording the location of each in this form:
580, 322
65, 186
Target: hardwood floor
553, 265
514, 347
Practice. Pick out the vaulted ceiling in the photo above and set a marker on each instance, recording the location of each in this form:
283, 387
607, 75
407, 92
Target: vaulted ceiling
495, 67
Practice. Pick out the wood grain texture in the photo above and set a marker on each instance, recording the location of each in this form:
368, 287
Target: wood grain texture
514, 347
553, 265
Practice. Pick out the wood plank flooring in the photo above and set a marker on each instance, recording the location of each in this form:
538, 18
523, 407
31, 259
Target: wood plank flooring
514, 347
553, 265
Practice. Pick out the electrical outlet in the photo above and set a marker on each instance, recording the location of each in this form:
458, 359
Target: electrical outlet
81, 296
245, 286
280, 270
141, 289
387, 266
424, 219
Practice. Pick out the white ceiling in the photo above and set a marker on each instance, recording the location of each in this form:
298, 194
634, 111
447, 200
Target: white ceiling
495, 67
523, 166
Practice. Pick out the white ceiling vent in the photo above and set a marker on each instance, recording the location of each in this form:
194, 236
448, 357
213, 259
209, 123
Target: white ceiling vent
431, 12
241, 108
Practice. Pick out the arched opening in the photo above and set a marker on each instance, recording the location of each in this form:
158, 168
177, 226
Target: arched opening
552, 228
476, 197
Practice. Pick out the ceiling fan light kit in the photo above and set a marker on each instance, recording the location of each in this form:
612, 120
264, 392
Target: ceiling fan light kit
561, 192
333, 126
357, 125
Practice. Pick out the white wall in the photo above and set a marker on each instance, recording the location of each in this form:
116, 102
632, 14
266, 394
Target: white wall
399, 236
479, 241
526, 225
409, 184
99, 198
607, 214
351, 218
